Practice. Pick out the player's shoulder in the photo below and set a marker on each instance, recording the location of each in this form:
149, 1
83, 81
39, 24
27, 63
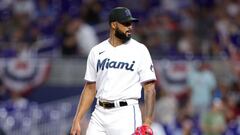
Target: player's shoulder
99, 46
138, 45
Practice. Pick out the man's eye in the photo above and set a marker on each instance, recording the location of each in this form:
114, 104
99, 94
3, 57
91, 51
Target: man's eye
127, 23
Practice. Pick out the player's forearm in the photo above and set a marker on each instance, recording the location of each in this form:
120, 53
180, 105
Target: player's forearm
86, 100
149, 103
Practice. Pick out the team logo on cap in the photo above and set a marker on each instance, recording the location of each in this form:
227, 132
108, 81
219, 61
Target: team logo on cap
127, 13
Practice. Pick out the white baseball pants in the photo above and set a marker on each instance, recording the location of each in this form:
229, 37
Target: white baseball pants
115, 121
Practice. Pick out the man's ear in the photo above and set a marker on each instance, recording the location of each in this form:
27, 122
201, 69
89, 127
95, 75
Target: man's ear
114, 25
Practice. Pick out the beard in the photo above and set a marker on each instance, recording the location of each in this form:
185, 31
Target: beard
119, 34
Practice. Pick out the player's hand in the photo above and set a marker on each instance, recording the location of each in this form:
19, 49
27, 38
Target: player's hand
143, 130
76, 129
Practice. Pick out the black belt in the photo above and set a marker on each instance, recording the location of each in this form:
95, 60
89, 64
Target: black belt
109, 105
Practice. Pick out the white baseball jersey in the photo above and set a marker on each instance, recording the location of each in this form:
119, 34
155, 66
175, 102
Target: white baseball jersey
119, 71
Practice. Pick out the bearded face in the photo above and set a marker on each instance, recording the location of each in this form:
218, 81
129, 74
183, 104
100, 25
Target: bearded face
121, 35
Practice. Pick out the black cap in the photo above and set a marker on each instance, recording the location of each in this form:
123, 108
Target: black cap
121, 14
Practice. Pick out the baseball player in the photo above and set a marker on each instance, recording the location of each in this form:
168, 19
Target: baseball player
117, 69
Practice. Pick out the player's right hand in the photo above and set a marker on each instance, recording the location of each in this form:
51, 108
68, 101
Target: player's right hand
143, 130
76, 129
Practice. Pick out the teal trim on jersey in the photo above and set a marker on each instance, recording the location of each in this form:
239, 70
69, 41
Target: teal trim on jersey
134, 116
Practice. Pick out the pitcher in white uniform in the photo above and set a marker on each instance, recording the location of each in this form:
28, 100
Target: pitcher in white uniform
117, 69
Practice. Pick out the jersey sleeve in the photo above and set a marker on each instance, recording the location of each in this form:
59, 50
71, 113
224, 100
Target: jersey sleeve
146, 69
90, 74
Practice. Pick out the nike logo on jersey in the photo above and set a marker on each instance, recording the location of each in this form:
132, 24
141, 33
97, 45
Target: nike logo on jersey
101, 52
107, 63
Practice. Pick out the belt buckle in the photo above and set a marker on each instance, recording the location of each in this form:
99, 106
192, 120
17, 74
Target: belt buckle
104, 104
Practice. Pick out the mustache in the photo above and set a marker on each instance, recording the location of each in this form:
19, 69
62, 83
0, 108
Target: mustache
130, 31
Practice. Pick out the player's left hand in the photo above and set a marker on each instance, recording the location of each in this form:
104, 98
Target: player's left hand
76, 129
143, 130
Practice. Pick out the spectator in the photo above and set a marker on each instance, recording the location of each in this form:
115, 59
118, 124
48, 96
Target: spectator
202, 83
2, 90
166, 108
86, 37
187, 126
186, 43
45, 9
213, 123
46, 18
233, 101
69, 44
91, 10
25, 7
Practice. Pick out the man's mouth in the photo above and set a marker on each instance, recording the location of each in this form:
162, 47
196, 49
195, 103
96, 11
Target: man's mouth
128, 33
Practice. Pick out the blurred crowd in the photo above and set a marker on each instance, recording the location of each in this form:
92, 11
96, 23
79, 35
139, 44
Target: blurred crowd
170, 28
191, 98
47, 27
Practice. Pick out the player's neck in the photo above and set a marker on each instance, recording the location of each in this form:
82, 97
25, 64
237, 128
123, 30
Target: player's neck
114, 41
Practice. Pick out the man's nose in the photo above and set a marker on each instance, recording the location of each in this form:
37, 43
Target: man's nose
130, 27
